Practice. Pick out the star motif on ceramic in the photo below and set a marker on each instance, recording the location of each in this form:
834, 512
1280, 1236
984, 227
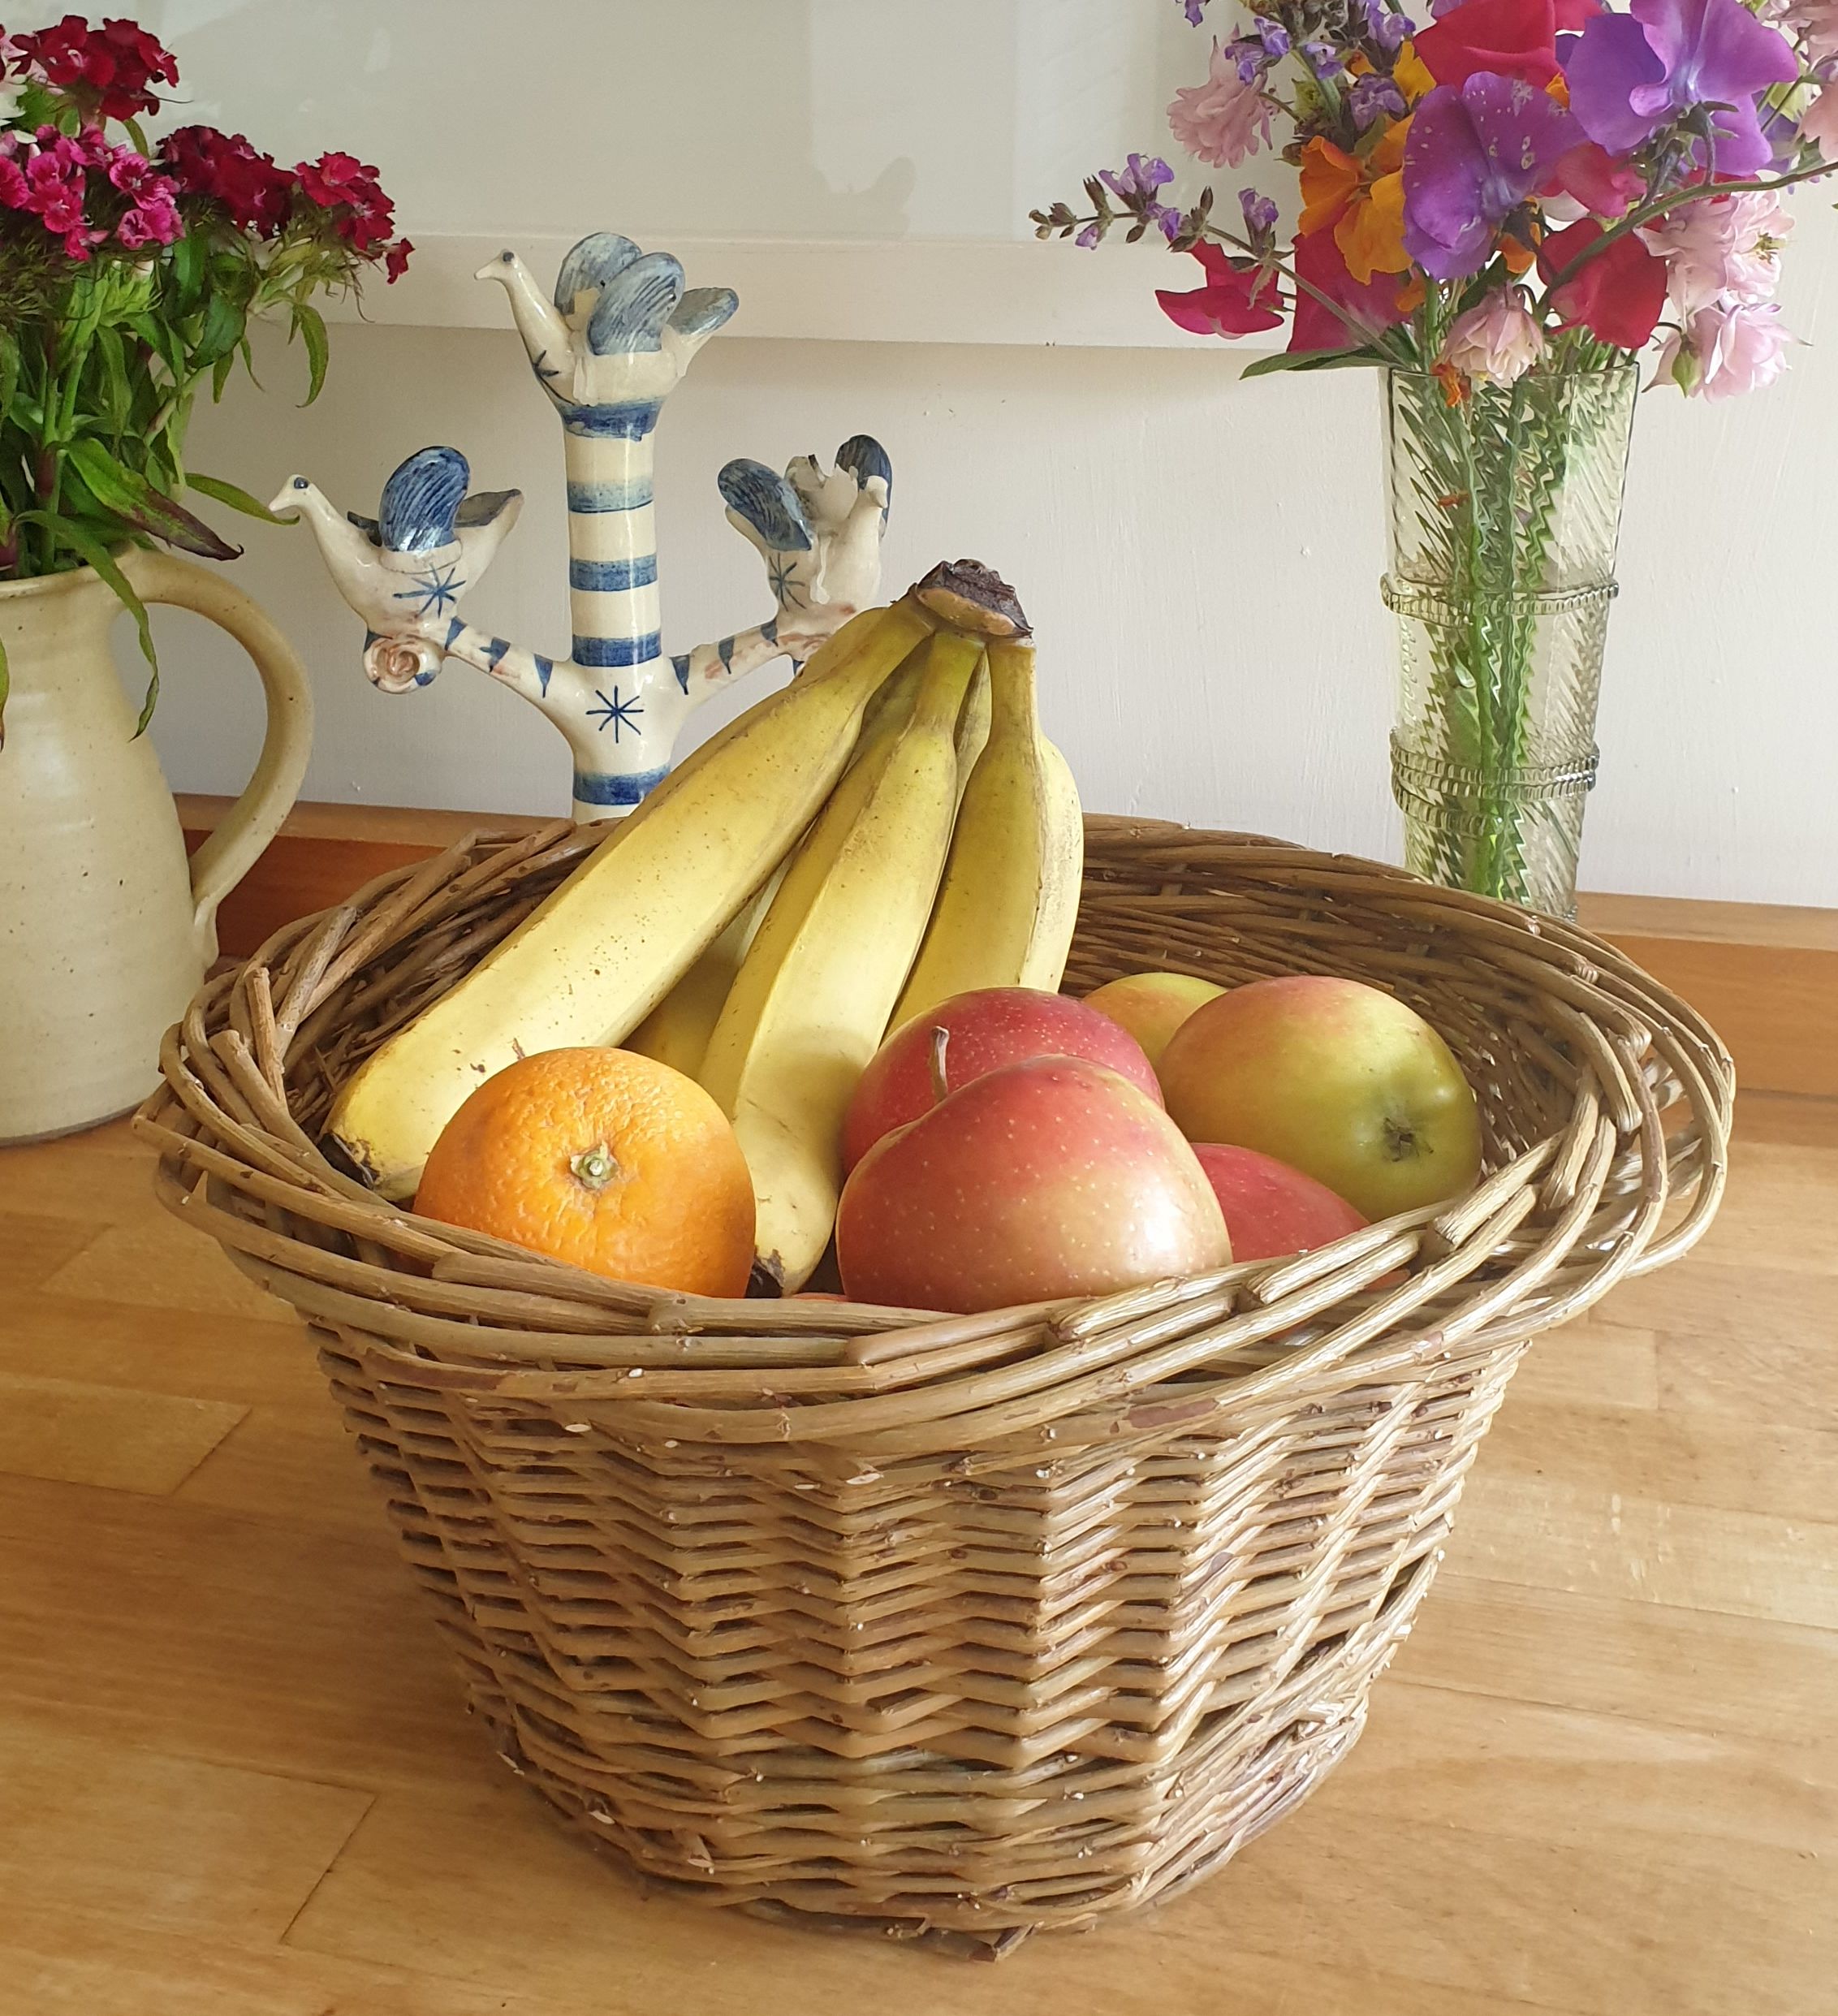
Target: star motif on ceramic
782, 577
433, 591
622, 713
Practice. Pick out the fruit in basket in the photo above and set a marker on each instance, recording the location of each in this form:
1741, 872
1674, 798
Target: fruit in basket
593, 958
603, 1159
1272, 1209
988, 1028
1152, 1006
1053, 1177
810, 1003
1010, 896
1339, 1080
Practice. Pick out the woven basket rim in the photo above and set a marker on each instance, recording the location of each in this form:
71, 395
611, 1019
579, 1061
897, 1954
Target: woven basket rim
1571, 1214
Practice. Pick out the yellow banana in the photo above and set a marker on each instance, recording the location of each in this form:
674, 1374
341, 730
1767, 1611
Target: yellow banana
972, 726
810, 1003
592, 961
1010, 896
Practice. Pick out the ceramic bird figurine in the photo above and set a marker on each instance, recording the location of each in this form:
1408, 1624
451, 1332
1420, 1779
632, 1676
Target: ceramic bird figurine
607, 350
404, 571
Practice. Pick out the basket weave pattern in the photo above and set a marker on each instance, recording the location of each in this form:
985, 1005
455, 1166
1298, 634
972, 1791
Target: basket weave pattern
968, 1625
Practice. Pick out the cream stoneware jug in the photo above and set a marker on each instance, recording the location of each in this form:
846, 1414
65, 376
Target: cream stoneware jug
105, 929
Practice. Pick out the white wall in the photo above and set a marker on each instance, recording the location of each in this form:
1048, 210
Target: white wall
1199, 557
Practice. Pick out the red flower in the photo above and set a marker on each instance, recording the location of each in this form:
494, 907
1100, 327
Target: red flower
1596, 180
395, 259
258, 195
1235, 301
1318, 260
1513, 38
110, 67
1618, 297
361, 213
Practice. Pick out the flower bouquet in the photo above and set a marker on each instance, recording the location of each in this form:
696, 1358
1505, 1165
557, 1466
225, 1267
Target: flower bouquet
1502, 209
129, 274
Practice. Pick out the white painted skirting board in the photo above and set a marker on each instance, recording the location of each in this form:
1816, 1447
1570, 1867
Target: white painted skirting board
875, 290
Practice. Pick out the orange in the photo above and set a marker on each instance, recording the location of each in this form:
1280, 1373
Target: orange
604, 1158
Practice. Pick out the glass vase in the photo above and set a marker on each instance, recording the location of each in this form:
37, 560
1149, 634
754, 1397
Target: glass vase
1504, 511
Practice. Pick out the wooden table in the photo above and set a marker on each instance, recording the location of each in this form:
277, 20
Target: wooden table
235, 1780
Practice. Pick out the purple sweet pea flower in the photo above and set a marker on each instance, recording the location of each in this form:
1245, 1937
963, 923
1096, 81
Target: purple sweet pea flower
1196, 12
1473, 156
1630, 74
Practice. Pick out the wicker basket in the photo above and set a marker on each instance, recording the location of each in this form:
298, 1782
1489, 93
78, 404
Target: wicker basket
959, 1626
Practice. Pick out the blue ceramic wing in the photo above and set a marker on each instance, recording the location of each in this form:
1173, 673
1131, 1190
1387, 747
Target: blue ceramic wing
421, 501
483, 506
591, 264
768, 503
634, 305
703, 310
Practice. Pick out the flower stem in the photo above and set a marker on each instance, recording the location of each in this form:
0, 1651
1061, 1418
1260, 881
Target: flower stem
1697, 192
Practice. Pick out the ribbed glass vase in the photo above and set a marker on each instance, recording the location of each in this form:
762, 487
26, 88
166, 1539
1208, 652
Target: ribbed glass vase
1505, 509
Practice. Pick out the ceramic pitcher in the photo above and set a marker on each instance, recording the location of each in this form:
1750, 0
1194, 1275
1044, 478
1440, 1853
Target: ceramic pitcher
105, 929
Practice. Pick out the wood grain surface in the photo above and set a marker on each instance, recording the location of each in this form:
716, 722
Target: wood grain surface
1601, 1780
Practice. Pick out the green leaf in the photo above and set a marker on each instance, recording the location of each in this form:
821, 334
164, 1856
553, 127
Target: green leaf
133, 498
119, 397
188, 267
237, 498
221, 332
9, 370
220, 374
1313, 361
92, 549
309, 325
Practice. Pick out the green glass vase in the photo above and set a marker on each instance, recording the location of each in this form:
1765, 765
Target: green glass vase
1505, 508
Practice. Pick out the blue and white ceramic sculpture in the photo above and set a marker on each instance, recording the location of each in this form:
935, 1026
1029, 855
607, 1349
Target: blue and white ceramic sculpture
620, 333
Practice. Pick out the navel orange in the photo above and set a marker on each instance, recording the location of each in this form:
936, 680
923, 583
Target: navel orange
604, 1158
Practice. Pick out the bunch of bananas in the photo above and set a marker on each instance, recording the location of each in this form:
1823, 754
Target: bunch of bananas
890, 830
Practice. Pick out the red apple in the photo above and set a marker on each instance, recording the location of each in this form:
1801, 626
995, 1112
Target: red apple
1053, 1177
1272, 1209
1152, 1006
989, 1027
1338, 1080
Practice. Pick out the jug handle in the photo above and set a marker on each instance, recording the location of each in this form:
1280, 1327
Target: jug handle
228, 854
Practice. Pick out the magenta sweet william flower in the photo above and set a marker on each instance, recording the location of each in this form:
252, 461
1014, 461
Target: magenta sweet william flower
1237, 301
1473, 156
1224, 120
226, 167
1631, 74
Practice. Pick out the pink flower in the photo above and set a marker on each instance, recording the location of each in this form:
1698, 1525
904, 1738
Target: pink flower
1815, 21
1497, 341
1727, 349
1222, 120
1819, 122
1726, 246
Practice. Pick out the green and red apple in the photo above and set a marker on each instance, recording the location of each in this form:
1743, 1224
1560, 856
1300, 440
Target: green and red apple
1271, 1210
1053, 1177
1338, 1079
1152, 1006
987, 1028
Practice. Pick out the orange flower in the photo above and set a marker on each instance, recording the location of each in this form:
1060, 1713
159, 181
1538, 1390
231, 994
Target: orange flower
1411, 74
1361, 201
1330, 176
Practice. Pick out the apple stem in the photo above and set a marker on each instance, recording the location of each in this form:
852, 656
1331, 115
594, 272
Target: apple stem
941, 1042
